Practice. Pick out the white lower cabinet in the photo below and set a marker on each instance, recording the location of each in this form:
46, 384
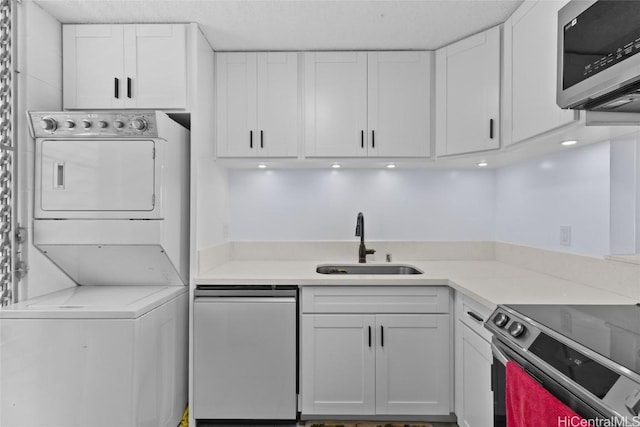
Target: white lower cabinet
375, 363
412, 364
474, 398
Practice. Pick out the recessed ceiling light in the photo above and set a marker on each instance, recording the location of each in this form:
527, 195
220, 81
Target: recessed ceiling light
336, 165
262, 166
569, 142
483, 164
391, 165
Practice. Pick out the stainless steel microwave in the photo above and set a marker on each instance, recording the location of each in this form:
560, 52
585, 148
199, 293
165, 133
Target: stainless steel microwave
598, 65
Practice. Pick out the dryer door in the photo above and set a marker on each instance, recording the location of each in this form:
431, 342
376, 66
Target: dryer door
97, 175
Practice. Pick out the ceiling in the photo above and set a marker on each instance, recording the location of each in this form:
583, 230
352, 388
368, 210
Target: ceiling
302, 24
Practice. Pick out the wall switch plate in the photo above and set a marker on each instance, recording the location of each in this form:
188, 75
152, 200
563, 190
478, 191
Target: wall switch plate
565, 235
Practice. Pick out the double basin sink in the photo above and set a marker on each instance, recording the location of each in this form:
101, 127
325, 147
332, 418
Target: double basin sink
390, 269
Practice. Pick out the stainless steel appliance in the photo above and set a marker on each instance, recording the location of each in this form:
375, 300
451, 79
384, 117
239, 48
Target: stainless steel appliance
245, 354
112, 195
598, 68
588, 356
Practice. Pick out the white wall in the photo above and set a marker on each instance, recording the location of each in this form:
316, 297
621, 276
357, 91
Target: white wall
570, 188
625, 196
398, 204
40, 88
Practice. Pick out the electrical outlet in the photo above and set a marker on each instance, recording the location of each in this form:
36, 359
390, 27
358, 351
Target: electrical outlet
565, 235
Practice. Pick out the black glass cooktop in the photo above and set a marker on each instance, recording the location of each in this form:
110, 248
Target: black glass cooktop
612, 331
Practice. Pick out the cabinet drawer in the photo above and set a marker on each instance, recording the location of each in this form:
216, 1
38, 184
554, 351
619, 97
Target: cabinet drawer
473, 314
383, 299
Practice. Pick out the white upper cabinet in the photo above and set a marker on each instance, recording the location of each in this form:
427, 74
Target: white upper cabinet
531, 38
399, 101
336, 104
257, 104
125, 66
468, 95
360, 104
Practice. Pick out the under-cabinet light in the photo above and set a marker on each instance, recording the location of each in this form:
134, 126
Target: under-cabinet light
262, 166
483, 164
391, 165
569, 142
336, 165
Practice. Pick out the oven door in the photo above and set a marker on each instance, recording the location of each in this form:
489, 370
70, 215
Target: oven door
503, 354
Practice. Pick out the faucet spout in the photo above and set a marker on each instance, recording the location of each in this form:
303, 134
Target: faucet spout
362, 249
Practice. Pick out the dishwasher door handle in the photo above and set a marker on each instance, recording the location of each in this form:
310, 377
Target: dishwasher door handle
231, 300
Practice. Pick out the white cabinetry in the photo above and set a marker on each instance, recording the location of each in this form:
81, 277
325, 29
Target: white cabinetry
125, 66
257, 104
374, 104
473, 359
468, 95
375, 351
530, 42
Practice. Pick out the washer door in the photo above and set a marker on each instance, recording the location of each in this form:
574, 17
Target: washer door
97, 175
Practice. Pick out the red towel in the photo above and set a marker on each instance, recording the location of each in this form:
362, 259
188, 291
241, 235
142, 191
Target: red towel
528, 404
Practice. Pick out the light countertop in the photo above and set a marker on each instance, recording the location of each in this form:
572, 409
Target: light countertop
488, 282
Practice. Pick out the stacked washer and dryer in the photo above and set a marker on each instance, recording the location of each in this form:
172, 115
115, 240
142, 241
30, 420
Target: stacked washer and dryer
111, 209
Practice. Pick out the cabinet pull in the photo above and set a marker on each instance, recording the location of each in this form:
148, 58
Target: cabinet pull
129, 87
369, 336
250, 139
373, 139
116, 87
490, 128
475, 316
261, 140
381, 336
361, 139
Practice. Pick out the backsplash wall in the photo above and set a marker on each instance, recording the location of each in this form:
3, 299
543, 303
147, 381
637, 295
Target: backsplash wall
523, 204
571, 188
411, 205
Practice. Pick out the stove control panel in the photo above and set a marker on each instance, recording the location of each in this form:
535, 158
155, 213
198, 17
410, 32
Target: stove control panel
82, 124
509, 326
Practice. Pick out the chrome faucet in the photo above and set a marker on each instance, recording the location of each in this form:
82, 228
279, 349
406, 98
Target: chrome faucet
362, 250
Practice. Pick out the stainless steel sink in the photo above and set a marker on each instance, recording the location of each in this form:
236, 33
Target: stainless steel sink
367, 269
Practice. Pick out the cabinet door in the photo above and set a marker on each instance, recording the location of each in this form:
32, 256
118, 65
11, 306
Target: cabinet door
531, 42
236, 104
475, 372
468, 98
277, 129
399, 104
93, 66
337, 364
336, 104
413, 370
155, 66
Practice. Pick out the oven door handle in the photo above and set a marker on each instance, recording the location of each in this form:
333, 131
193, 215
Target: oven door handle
498, 354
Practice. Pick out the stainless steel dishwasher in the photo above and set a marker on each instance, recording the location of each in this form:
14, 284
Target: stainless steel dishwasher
245, 353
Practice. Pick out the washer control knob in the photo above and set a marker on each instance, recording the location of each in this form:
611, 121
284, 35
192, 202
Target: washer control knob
501, 320
517, 329
102, 124
118, 124
70, 124
139, 124
48, 123
86, 124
